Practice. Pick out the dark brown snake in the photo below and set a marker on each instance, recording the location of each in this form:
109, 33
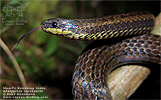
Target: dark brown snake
96, 61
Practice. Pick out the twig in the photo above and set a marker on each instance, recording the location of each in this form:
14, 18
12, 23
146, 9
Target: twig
9, 70
16, 65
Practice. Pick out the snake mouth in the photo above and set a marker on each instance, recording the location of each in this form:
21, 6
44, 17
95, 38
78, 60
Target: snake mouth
53, 27
63, 28
49, 25
45, 25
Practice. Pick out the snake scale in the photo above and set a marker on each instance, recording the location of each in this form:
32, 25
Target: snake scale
96, 62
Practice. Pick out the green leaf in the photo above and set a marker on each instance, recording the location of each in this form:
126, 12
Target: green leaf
40, 37
51, 46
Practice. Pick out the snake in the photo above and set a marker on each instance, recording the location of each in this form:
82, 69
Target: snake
120, 39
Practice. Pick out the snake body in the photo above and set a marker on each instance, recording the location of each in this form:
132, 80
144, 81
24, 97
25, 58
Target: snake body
95, 62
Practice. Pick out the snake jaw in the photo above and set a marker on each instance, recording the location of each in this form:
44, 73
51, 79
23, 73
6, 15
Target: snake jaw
60, 27
63, 28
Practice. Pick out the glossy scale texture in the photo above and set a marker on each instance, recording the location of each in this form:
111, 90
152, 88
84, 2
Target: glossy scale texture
117, 48
95, 63
100, 28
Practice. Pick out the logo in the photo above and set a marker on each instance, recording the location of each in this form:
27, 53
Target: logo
14, 13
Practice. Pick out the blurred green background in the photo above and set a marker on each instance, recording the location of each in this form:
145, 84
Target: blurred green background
48, 60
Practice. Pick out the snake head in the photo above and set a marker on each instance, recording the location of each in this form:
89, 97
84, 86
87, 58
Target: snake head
61, 27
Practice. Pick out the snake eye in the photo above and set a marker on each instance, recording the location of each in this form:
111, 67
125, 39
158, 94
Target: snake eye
54, 24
